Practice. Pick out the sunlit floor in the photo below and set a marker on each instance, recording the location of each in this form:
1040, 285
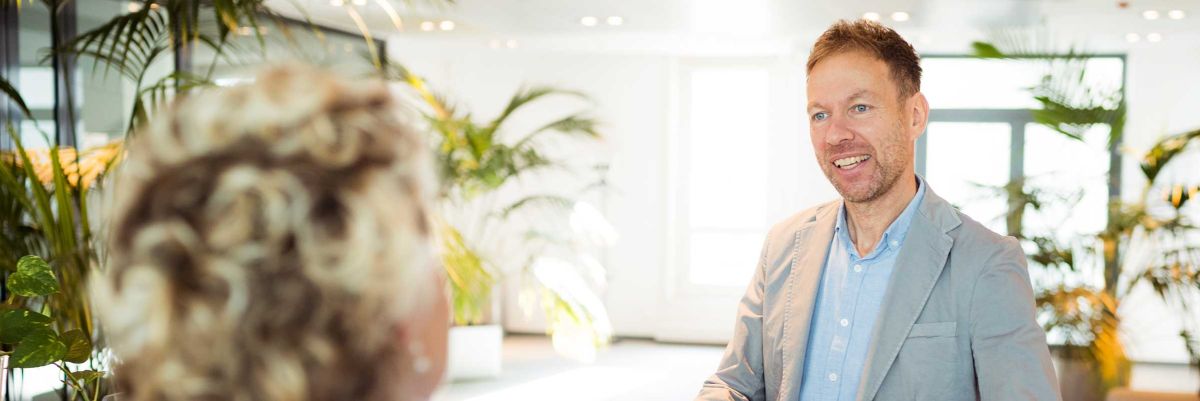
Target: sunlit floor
648, 370
627, 370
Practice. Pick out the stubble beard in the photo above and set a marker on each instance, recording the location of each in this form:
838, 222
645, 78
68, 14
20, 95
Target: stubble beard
888, 167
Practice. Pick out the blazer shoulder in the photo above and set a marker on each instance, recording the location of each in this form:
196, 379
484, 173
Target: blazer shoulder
979, 243
797, 221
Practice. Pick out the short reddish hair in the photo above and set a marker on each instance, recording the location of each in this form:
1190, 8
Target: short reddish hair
875, 39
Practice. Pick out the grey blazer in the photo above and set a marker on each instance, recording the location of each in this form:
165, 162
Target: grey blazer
957, 321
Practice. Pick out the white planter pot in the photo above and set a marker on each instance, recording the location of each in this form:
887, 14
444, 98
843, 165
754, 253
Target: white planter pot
474, 352
3, 377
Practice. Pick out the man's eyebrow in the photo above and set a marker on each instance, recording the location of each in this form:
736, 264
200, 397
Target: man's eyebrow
861, 93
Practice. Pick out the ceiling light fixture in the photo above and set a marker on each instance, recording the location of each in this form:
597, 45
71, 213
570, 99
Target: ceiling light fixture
1132, 37
1150, 14
614, 20
153, 6
899, 16
134, 6
446, 25
1153, 37
511, 44
1176, 14
589, 21
871, 16
427, 26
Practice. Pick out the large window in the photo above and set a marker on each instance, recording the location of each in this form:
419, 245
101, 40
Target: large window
982, 136
740, 161
726, 145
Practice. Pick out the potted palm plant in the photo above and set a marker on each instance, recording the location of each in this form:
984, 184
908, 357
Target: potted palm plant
1144, 242
45, 318
491, 224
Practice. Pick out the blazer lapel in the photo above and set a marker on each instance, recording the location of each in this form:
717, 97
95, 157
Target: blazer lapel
809, 250
918, 266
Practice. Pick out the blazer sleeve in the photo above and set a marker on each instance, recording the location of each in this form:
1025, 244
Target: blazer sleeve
1012, 360
740, 374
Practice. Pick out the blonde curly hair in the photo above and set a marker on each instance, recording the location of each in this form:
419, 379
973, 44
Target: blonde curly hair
267, 241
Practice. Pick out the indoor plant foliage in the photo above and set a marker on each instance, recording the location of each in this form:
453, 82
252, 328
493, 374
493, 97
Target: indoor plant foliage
1146, 242
31, 335
491, 223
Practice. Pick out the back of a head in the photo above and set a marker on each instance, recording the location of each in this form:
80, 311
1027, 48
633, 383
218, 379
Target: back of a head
267, 240
875, 39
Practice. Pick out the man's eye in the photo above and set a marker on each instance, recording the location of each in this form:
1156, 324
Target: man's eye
861, 108
820, 116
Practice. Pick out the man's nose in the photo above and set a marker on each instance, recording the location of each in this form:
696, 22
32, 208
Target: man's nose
838, 132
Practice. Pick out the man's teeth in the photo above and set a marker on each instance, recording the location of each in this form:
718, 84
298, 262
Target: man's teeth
850, 161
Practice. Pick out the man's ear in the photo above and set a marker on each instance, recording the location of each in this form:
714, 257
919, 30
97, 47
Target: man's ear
919, 107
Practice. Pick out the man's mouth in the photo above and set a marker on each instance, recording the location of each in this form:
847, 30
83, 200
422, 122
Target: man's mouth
847, 163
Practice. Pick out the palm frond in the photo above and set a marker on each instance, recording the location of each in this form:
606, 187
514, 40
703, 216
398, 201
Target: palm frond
526, 96
557, 202
1164, 151
571, 124
14, 95
128, 43
150, 98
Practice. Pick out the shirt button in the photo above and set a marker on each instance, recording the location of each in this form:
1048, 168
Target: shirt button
857, 268
845, 322
833, 377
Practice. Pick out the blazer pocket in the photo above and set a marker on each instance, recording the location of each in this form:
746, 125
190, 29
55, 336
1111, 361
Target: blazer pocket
943, 329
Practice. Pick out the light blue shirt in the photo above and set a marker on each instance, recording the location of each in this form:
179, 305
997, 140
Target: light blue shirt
847, 305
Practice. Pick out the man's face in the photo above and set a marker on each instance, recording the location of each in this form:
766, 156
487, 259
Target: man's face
862, 132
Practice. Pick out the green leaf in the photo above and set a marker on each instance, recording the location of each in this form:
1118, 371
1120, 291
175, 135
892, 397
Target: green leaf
40, 348
15, 324
79, 346
986, 50
12, 93
87, 375
33, 278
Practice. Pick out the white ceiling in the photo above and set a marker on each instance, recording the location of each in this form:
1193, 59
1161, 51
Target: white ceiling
1092, 20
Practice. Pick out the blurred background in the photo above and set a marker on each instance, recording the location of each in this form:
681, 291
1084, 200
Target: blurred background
611, 168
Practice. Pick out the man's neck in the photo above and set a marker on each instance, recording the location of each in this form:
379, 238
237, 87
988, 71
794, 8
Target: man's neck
868, 220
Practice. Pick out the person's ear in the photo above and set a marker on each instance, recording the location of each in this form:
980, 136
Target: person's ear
919, 107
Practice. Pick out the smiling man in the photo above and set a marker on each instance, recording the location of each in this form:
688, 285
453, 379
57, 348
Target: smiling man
889, 293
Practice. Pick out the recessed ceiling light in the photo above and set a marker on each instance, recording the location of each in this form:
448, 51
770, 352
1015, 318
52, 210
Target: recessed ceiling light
589, 21
1150, 14
899, 16
494, 43
614, 20
134, 6
1153, 37
427, 26
153, 6
1176, 14
511, 44
1132, 37
871, 16
446, 25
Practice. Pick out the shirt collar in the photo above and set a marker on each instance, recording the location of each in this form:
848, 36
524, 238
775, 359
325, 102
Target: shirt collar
894, 233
